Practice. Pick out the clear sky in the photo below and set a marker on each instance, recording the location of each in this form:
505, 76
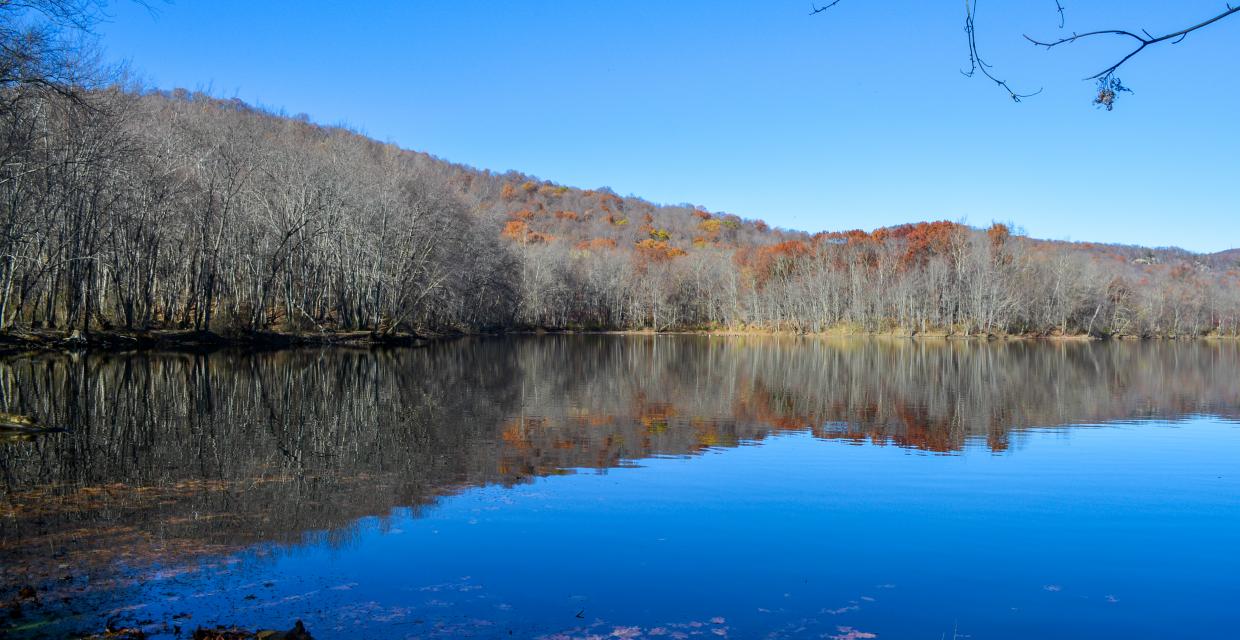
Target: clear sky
855, 118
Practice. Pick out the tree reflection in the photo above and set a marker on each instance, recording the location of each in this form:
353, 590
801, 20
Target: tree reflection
176, 456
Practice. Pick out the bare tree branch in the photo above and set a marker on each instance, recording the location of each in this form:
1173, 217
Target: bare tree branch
816, 9
976, 63
1142, 41
1108, 85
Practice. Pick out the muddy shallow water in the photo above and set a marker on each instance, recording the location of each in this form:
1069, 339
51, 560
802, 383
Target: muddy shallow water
630, 486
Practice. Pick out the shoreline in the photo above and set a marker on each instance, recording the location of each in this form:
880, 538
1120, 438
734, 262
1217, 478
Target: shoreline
185, 340
901, 335
188, 340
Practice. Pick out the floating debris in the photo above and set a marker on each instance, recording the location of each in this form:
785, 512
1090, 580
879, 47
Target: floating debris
298, 632
125, 633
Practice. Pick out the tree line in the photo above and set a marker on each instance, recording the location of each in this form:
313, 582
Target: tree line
126, 208
590, 259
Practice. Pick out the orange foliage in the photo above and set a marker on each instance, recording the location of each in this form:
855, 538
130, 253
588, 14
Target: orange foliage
927, 233
854, 236
520, 231
596, 244
608, 198
789, 248
776, 260
567, 215
516, 230
921, 240
508, 192
655, 416
998, 234
658, 250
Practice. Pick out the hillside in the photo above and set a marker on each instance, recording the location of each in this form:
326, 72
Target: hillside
1225, 259
176, 210
539, 211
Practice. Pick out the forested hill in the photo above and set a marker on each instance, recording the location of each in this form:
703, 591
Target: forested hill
178, 210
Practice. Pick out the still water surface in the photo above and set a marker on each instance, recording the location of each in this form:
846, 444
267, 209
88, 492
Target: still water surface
632, 487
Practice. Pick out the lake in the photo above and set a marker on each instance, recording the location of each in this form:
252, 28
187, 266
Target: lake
631, 487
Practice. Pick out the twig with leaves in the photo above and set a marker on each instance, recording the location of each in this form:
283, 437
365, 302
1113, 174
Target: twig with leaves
1108, 84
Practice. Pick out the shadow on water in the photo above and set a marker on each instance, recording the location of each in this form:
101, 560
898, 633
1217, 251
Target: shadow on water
168, 460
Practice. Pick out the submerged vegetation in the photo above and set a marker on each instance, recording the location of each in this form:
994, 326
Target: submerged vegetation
124, 209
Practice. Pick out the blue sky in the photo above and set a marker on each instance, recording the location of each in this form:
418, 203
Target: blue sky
856, 118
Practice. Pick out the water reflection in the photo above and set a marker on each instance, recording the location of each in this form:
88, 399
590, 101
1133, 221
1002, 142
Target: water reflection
170, 458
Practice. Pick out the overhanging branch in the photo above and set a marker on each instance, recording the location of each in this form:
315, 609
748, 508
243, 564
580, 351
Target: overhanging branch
1143, 41
976, 63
